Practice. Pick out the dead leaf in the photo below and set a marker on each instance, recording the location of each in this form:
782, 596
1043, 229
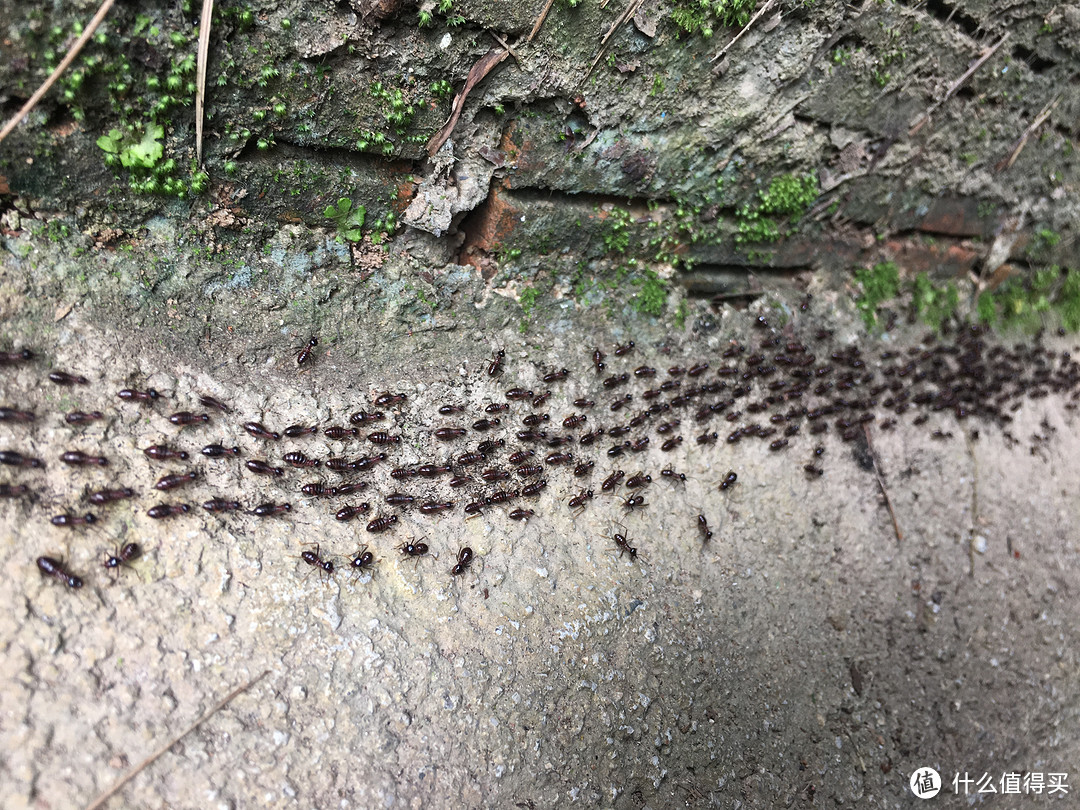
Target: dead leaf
62, 312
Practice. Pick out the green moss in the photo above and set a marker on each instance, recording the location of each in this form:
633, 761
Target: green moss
879, 283
349, 220
1024, 303
617, 232
651, 295
789, 195
681, 314
933, 305
702, 16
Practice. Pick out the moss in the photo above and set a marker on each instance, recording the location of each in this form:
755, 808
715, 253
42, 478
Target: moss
1024, 303
879, 283
789, 195
933, 305
617, 232
702, 16
652, 294
681, 314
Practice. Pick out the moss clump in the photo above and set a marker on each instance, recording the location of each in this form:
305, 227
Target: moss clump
879, 283
652, 294
789, 195
702, 16
1024, 303
933, 305
348, 220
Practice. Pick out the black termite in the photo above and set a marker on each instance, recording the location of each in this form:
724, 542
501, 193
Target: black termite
165, 510
640, 444
399, 499
104, 496
517, 394
339, 432
652, 393
134, 395
269, 509
467, 459
162, 452
729, 480
260, 432
367, 462
184, 418
485, 424
584, 468
671, 475
386, 398
697, 369
263, 467
168, 482
209, 402
582, 402
347, 513
645, 371
18, 356
83, 417
446, 434
703, 526
382, 437
448, 409
667, 427
625, 349
534, 488
305, 353
612, 481
361, 559
349, 489
521, 455
619, 430
619, 403
314, 559
555, 376
617, 450
340, 465
63, 378
624, 546
522, 514
559, 441
778, 444
220, 505
638, 480
74, 520
13, 415
581, 499
363, 417
495, 367
434, 470
634, 502
490, 446
534, 419
401, 473
298, 459
658, 408
497, 407
122, 556
474, 508
413, 548
381, 524
501, 496
318, 490
531, 435
617, 379
296, 431
791, 430
592, 436
464, 557
55, 568
540, 399
77, 458
598, 360
435, 507
639, 420
814, 470
574, 420
459, 481
676, 371
528, 470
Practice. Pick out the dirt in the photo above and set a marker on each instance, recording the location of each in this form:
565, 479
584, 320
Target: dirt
803, 655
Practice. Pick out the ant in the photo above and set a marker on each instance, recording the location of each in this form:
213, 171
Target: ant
314, 558
464, 557
413, 549
122, 556
703, 525
362, 560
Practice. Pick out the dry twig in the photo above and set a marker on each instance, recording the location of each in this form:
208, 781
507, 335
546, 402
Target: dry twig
630, 11
108, 794
200, 75
881, 483
1007, 163
745, 28
69, 57
921, 121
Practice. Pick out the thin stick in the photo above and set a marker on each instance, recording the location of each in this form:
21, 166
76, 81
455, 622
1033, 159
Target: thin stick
108, 794
1020, 144
540, 21
746, 28
509, 50
64, 63
630, 11
200, 75
957, 85
881, 483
